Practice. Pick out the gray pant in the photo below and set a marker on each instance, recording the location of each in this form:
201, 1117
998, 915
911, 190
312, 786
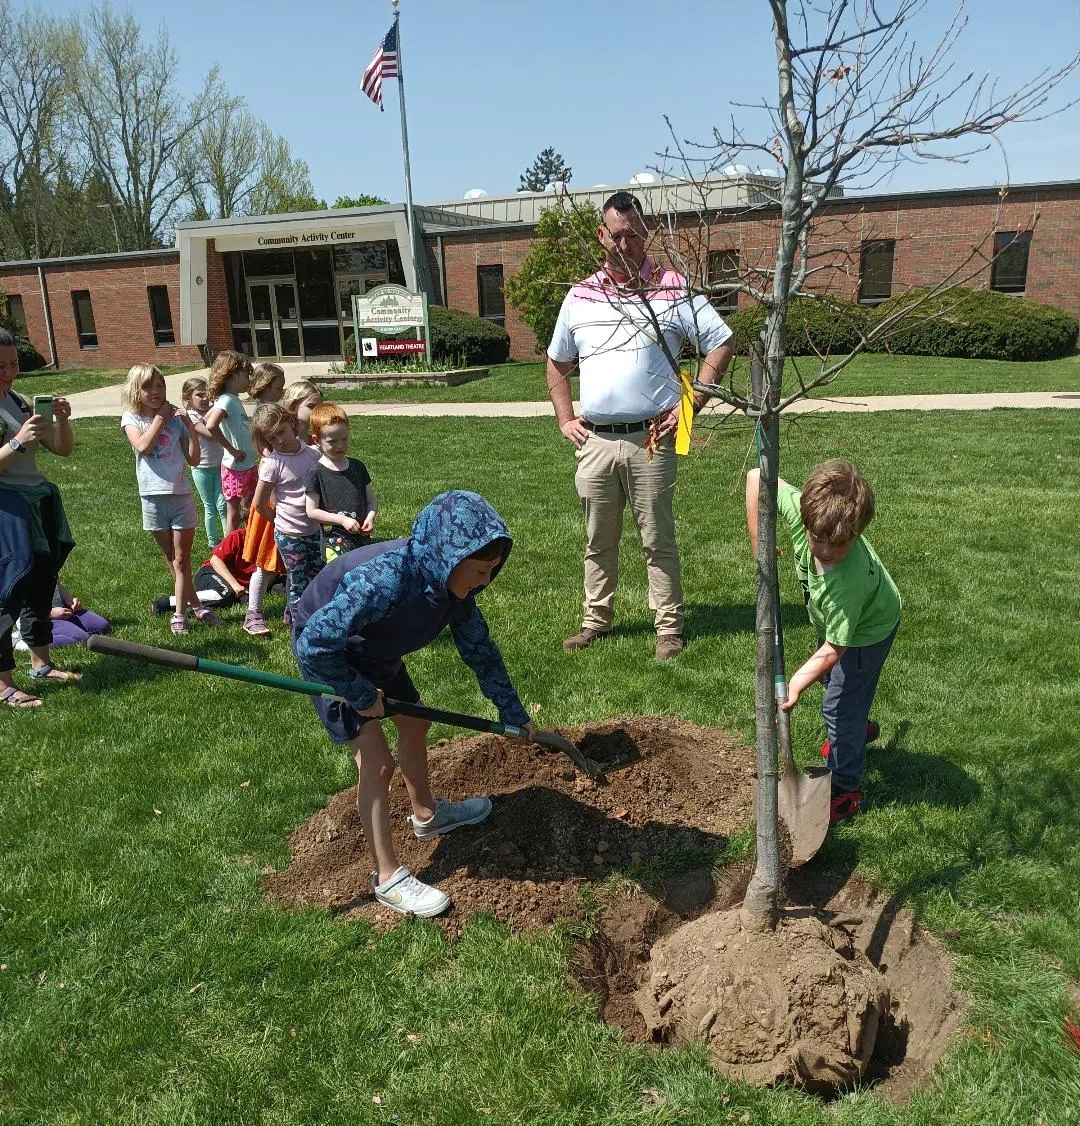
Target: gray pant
849, 693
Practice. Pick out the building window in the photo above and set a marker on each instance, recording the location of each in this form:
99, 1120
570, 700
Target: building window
16, 314
875, 271
489, 288
84, 318
724, 270
160, 314
1009, 272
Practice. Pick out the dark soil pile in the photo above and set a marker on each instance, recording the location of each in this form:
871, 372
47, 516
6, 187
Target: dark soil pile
672, 794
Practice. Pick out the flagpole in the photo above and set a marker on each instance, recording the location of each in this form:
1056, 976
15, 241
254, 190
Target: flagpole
405, 150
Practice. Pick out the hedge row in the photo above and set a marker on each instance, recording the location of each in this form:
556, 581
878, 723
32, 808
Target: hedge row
458, 338
967, 323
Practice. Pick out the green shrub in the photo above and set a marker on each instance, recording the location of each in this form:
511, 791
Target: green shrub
826, 324
977, 324
564, 250
458, 339
459, 336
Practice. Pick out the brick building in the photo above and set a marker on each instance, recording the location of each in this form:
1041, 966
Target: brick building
279, 286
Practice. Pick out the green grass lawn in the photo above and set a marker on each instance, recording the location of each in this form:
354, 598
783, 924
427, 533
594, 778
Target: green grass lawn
71, 380
144, 978
867, 375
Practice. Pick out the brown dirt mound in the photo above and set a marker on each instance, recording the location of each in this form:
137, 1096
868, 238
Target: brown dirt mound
796, 1004
673, 791
913, 1028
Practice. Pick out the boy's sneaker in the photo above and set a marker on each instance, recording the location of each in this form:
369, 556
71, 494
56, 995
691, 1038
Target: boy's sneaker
407, 895
255, 624
451, 815
872, 733
844, 806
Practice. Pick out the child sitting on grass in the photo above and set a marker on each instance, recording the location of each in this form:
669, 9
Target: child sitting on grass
223, 580
72, 623
338, 487
357, 620
853, 604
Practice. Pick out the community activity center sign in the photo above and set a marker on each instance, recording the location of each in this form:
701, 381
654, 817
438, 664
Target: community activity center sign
393, 310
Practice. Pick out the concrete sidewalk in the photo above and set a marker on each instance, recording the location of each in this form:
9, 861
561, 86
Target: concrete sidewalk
105, 402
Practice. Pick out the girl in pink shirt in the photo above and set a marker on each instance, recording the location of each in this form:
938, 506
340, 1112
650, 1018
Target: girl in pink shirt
281, 476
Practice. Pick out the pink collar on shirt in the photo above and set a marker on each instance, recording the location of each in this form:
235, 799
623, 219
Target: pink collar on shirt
601, 286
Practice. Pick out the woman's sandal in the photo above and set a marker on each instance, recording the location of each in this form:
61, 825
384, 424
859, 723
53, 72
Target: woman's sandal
51, 672
8, 696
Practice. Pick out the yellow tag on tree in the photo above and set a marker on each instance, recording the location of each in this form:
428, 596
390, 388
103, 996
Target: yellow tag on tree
686, 414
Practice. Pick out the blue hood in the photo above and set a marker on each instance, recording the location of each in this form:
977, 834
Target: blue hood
454, 526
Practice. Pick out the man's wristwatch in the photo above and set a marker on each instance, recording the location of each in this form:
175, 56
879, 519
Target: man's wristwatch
16, 446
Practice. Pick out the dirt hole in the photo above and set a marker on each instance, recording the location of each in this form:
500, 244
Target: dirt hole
672, 795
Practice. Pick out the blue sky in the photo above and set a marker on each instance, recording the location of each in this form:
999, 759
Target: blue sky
489, 85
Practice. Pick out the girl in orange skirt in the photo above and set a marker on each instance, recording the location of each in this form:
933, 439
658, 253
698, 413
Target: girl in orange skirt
267, 385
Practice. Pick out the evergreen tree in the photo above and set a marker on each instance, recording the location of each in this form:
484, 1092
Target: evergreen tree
548, 168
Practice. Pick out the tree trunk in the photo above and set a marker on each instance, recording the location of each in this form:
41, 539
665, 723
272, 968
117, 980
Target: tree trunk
763, 893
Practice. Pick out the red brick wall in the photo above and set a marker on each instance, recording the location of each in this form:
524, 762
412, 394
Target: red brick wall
218, 319
467, 251
934, 236
121, 310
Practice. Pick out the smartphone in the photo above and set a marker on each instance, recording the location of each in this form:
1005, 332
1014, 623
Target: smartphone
43, 406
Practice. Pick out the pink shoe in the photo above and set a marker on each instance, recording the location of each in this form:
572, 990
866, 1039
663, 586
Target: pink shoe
206, 617
178, 624
255, 624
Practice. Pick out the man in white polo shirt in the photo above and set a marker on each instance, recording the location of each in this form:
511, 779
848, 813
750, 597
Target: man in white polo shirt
606, 330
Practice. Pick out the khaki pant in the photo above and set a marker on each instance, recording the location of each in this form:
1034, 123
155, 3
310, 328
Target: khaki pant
611, 470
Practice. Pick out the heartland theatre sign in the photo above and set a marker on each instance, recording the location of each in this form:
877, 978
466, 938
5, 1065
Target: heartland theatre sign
391, 310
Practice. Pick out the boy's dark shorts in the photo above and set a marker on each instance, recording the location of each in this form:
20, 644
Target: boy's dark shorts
343, 721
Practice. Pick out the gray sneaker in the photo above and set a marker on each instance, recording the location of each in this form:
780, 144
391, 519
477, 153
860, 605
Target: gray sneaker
407, 895
451, 815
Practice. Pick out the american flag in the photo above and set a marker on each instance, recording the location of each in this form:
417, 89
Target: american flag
384, 64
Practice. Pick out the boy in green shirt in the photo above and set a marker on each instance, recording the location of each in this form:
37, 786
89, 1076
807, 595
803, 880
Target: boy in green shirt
853, 603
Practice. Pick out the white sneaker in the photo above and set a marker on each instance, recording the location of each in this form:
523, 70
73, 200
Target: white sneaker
407, 895
451, 815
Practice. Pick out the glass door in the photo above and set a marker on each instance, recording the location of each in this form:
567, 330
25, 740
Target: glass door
275, 318
287, 316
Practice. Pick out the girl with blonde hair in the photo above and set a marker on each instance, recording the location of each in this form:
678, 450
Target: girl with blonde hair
163, 439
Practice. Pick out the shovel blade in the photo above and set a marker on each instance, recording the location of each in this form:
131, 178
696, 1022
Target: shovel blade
803, 800
585, 764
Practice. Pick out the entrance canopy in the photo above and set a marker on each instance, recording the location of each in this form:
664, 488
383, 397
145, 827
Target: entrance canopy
288, 279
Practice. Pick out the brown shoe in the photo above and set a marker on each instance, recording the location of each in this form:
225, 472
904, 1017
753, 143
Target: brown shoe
668, 645
581, 640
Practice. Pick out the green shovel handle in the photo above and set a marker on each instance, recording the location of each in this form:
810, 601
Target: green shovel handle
170, 658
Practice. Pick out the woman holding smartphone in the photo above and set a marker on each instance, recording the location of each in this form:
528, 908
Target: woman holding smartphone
34, 535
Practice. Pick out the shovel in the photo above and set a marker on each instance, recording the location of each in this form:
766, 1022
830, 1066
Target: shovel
803, 798
132, 650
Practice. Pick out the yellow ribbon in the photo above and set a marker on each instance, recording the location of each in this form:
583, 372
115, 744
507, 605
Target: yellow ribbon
686, 414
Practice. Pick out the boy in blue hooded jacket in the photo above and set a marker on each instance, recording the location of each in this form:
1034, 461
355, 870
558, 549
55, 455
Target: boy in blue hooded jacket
356, 621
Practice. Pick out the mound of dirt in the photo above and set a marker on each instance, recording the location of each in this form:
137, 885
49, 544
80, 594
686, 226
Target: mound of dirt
673, 792
798, 1003
617, 965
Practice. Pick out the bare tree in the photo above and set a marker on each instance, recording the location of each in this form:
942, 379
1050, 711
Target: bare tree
234, 164
134, 124
35, 62
855, 95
